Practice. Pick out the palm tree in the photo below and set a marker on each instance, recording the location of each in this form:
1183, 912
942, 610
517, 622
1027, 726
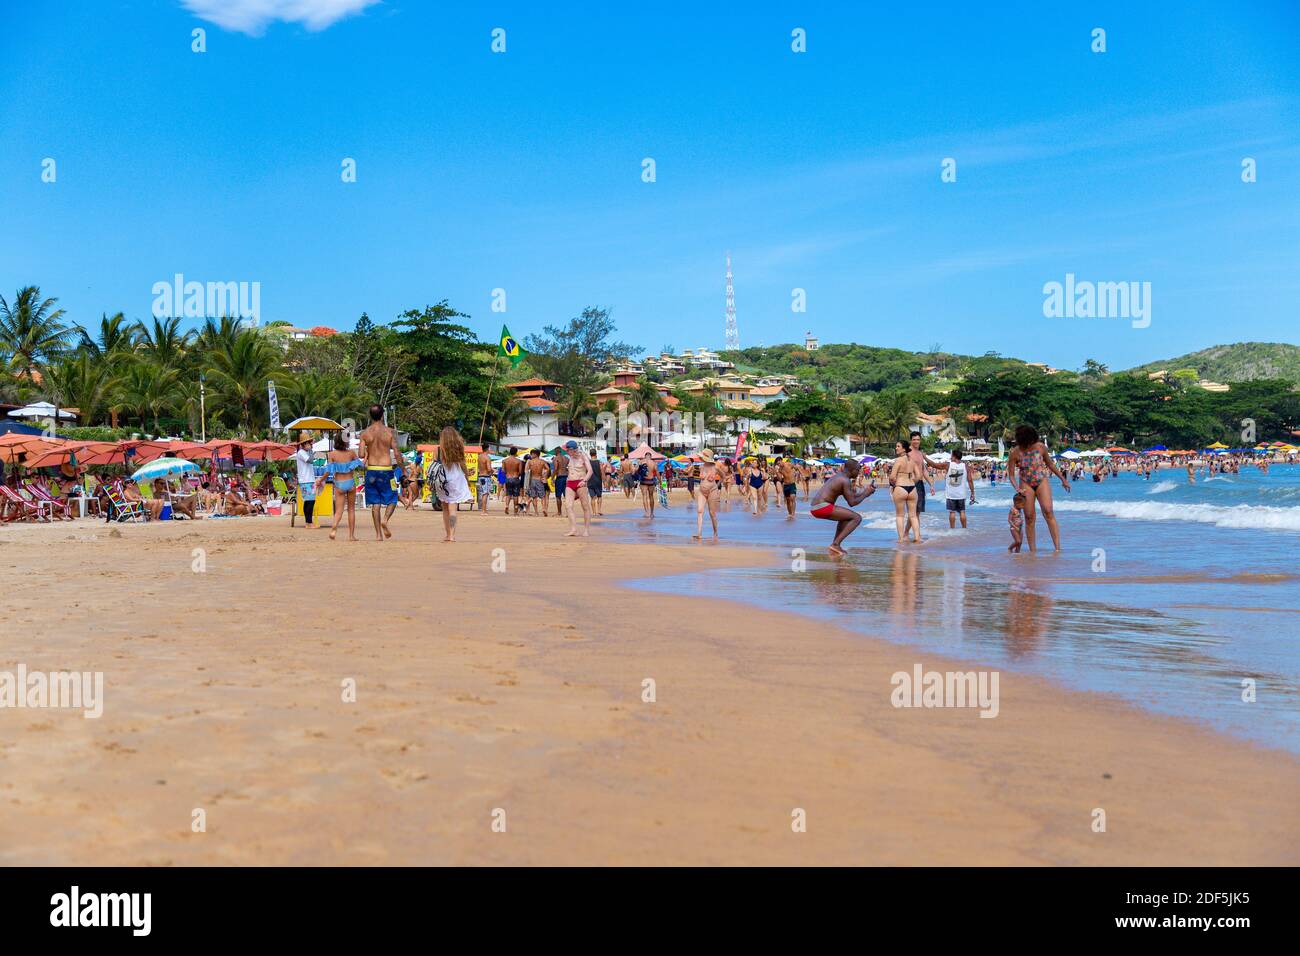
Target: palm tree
240, 369
314, 393
146, 390
216, 336
84, 382
32, 332
165, 343
576, 407
506, 411
646, 398
897, 415
116, 338
862, 418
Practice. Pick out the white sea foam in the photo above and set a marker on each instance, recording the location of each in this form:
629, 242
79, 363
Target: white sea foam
1238, 516
1162, 487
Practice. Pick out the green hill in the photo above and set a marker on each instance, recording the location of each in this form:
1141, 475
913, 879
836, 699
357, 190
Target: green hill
1240, 362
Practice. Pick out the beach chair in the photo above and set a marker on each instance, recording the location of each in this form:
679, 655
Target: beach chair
44, 509
90, 490
18, 508
43, 496
122, 509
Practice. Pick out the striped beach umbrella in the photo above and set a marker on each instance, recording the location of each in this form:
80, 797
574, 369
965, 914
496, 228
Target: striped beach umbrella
164, 468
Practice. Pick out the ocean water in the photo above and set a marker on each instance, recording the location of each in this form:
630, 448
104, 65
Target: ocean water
1165, 593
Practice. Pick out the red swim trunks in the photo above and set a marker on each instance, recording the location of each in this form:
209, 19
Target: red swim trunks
824, 511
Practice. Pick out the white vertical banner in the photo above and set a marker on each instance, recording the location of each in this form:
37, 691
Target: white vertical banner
275, 406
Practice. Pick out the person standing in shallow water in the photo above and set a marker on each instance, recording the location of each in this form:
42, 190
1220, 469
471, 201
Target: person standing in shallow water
708, 493
1029, 467
846, 519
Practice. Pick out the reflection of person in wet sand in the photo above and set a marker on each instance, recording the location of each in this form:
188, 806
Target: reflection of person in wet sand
1028, 468
903, 584
1028, 613
824, 506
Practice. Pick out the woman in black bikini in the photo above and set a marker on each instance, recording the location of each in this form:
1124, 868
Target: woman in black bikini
903, 479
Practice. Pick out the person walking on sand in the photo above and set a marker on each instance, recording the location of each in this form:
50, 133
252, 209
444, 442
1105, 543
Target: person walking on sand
513, 484
341, 465
560, 469
379, 451
596, 485
845, 518
484, 481
455, 487
708, 492
576, 489
538, 496
1029, 467
904, 478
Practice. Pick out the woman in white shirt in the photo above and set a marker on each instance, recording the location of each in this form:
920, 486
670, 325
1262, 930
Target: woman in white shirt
455, 489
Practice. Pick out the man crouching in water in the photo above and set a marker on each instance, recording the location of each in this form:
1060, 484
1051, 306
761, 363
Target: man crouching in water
824, 506
379, 450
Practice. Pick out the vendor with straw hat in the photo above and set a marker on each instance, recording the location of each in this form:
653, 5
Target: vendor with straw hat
306, 477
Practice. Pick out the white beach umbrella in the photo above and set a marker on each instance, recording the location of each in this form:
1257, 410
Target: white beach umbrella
39, 410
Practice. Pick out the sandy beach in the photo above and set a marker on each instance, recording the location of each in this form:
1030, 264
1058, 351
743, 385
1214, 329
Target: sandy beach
521, 691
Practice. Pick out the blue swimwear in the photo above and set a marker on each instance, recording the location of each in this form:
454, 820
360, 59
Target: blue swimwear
379, 486
336, 468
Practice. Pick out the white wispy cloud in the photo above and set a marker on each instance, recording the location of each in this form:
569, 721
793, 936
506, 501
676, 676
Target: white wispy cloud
253, 16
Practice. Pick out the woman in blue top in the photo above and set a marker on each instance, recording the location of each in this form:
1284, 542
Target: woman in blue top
341, 465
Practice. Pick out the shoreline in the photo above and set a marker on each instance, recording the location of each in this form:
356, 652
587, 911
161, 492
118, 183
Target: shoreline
229, 692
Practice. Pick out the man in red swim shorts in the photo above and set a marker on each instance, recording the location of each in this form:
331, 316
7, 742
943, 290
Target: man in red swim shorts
846, 519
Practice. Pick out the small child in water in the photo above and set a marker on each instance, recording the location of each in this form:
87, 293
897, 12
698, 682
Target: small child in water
1016, 521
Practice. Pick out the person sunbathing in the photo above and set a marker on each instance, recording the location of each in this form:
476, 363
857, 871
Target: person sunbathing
182, 504
209, 499
235, 503
131, 493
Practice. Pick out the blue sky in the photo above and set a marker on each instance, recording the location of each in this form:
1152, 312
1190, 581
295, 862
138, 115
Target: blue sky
522, 170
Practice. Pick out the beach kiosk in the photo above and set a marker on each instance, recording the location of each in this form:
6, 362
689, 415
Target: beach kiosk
325, 500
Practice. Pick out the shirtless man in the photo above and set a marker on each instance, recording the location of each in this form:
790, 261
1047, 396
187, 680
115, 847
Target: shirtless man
484, 481
514, 469
379, 451
627, 473
923, 470
538, 469
846, 519
786, 473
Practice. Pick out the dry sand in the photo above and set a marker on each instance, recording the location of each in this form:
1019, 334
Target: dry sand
521, 691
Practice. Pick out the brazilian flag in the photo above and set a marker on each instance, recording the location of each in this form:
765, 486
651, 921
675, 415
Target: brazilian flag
511, 349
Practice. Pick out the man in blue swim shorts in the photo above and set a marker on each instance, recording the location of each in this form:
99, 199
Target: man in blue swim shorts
378, 450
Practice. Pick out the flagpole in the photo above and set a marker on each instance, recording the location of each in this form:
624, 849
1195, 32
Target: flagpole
496, 366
